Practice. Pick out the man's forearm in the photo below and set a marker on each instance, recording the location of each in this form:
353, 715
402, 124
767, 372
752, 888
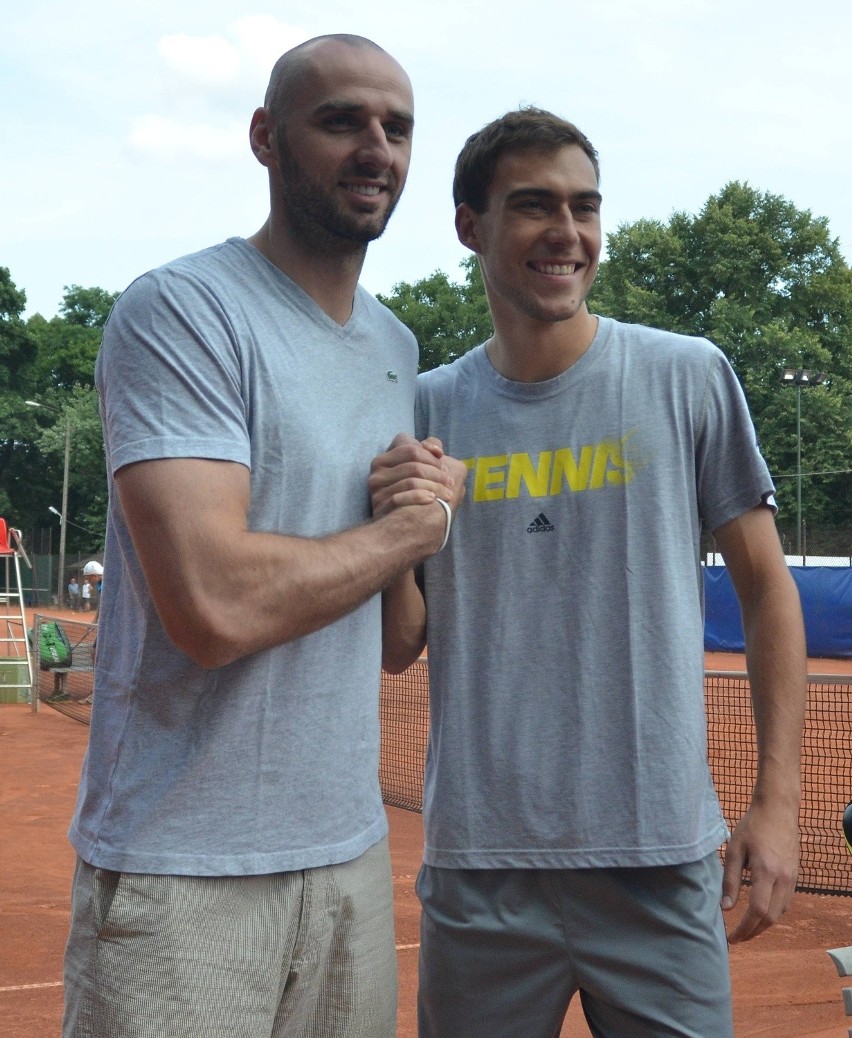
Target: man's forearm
294, 586
777, 667
403, 623
223, 591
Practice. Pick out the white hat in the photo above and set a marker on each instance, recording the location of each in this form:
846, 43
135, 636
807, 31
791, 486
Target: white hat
92, 569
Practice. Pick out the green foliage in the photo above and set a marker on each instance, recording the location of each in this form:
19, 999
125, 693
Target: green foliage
87, 307
87, 491
767, 283
52, 362
16, 346
447, 318
65, 352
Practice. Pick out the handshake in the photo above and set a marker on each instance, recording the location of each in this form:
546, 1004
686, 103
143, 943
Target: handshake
412, 473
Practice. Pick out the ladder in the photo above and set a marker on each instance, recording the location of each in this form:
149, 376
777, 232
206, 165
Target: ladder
16, 669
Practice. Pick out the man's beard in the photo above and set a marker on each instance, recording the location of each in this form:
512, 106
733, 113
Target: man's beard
317, 219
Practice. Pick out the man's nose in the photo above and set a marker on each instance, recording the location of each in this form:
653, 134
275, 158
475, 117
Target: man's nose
374, 149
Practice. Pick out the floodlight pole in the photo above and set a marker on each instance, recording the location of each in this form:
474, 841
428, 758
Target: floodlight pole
798, 468
799, 378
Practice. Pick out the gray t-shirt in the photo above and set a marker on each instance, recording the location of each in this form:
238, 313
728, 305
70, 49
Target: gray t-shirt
268, 764
565, 625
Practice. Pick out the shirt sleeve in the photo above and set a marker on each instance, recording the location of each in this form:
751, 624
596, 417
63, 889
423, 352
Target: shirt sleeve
732, 475
168, 375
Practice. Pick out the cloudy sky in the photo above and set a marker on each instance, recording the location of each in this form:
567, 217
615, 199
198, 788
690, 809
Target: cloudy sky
124, 124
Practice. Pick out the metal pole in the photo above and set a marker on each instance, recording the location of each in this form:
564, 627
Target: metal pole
798, 468
60, 584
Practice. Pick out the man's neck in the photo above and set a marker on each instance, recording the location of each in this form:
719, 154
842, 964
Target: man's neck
329, 278
526, 350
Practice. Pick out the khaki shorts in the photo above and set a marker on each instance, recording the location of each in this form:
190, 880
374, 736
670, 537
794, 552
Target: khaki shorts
297, 954
503, 951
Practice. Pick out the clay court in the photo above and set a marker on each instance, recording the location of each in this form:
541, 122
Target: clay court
784, 983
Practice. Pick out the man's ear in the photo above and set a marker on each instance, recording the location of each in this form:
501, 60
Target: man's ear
466, 220
262, 137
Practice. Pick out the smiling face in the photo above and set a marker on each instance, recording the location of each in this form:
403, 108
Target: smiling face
539, 239
341, 147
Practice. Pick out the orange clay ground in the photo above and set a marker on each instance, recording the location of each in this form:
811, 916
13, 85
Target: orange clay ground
784, 983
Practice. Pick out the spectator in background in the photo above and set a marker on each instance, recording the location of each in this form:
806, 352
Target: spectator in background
86, 594
94, 571
74, 593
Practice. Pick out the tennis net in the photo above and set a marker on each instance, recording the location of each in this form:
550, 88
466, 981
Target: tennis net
826, 866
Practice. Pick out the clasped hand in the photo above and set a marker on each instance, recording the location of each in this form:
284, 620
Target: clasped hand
415, 472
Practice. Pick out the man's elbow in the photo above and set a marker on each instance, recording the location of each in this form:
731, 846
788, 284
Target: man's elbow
205, 637
397, 659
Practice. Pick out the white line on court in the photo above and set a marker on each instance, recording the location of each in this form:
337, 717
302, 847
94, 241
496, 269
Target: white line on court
30, 987
58, 983
399, 947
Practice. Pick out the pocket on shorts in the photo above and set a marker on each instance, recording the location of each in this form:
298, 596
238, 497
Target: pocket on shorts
104, 888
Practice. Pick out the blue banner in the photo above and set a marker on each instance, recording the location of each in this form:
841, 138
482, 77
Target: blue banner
826, 594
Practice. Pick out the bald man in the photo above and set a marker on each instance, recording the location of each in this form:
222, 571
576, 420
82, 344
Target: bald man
233, 874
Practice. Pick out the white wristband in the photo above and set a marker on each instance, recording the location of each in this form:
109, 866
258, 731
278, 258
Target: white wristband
448, 510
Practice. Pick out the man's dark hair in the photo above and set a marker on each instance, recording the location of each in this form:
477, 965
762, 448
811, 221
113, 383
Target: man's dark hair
527, 129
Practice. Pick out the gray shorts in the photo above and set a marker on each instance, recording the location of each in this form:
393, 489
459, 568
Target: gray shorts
503, 952
298, 954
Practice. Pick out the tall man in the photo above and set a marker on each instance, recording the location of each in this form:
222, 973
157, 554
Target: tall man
571, 823
233, 874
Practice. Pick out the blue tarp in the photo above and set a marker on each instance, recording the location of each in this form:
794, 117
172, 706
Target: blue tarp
826, 594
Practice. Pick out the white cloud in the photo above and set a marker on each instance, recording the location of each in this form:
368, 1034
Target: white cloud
243, 56
262, 39
169, 138
205, 59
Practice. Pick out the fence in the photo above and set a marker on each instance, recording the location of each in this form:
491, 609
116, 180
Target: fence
821, 545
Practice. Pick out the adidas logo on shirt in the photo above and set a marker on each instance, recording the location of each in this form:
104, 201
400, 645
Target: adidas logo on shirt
541, 524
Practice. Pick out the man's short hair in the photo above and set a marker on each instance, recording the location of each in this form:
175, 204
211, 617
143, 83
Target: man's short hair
290, 67
527, 129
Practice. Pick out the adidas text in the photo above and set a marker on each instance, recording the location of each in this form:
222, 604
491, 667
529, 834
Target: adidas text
541, 524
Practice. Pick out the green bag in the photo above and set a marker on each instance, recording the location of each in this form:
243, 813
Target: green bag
53, 646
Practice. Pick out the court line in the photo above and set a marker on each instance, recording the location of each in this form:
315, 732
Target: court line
30, 987
58, 983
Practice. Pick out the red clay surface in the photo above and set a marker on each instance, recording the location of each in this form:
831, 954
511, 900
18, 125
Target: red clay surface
784, 983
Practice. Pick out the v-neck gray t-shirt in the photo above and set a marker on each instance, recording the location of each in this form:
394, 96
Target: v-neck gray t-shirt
268, 764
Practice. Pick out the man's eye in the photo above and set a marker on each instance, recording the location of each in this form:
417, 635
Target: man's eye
398, 131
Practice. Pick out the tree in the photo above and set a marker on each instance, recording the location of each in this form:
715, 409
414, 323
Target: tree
65, 353
767, 283
87, 307
87, 486
17, 349
16, 346
447, 318
52, 362
67, 345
